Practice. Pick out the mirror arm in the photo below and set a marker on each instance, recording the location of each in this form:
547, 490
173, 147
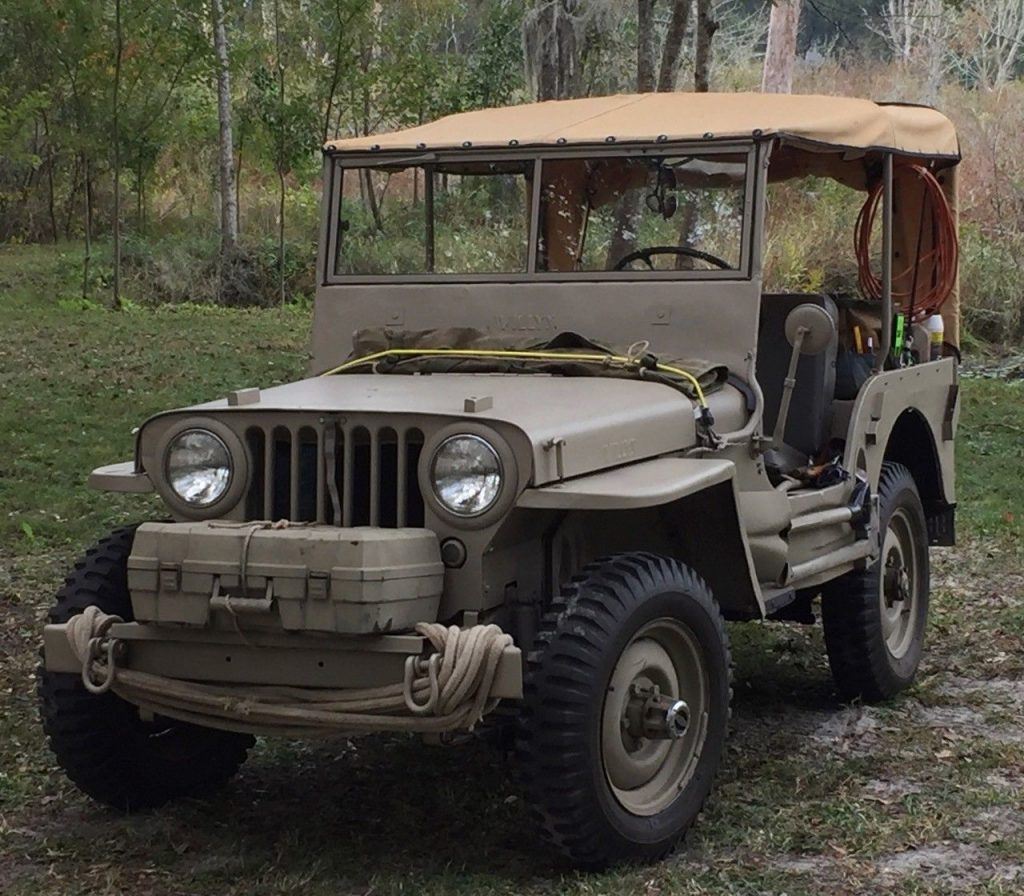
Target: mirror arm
787, 388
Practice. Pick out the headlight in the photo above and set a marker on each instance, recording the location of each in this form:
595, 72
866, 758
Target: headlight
198, 467
466, 475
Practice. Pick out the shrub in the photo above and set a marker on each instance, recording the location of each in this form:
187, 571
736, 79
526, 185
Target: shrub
992, 285
183, 268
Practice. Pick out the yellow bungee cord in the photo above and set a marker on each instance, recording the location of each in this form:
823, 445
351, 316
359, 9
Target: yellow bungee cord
628, 362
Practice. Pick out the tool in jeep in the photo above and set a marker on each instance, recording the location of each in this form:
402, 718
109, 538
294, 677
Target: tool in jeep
556, 432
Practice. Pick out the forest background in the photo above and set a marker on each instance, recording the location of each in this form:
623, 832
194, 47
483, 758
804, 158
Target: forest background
172, 148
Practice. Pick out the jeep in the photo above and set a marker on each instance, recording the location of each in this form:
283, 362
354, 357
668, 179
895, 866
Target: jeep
555, 434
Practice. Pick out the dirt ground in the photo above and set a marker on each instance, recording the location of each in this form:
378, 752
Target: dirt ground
923, 795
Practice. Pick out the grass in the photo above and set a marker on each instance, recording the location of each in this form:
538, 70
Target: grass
920, 796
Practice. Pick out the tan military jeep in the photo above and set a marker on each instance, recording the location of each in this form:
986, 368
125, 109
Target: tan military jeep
555, 433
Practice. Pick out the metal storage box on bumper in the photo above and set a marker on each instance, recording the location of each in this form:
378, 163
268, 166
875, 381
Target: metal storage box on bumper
312, 578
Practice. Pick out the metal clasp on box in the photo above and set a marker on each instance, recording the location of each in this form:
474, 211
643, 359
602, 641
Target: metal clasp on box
318, 585
170, 577
223, 601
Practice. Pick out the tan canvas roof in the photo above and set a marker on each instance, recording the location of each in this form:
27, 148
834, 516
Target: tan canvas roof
817, 121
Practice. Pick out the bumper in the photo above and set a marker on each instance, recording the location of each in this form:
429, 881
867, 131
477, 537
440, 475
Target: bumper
295, 660
289, 629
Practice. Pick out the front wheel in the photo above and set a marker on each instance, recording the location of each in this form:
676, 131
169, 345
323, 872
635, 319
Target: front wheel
625, 712
100, 740
874, 619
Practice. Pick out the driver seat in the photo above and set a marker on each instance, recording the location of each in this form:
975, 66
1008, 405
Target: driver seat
810, 411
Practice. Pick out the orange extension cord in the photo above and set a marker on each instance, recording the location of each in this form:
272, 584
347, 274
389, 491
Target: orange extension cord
944, 255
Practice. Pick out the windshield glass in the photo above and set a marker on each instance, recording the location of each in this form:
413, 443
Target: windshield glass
427, 219
678, 213
626, 214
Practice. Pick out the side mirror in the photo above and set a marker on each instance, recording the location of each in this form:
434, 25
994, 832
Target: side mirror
809, 329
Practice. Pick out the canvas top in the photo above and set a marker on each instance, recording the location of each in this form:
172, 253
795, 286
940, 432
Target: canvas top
817, 123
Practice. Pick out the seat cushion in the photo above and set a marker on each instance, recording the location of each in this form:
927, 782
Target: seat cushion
810, 409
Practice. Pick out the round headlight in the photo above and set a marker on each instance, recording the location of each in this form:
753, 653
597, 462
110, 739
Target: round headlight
466, 475
198, 467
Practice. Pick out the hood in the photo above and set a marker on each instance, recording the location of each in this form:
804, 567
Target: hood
598, 422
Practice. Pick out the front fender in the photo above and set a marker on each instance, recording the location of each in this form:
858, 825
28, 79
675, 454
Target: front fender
650, 483
685, 507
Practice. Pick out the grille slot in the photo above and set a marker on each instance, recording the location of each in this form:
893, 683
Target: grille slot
339, 474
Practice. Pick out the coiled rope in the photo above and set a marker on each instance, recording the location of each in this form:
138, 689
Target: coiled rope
446, 691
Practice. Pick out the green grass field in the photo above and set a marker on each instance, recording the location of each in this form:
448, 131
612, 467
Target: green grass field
921, 796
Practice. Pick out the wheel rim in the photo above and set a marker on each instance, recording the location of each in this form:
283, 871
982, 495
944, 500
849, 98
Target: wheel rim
647, 773
898, 584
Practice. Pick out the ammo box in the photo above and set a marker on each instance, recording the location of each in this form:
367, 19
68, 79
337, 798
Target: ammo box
313, 578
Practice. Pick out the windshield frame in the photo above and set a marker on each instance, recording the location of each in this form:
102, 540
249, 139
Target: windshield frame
336, 162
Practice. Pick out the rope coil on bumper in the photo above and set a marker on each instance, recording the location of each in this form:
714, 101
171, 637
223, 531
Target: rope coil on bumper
446, 691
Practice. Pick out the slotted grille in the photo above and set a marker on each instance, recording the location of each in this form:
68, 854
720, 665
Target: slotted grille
342, 474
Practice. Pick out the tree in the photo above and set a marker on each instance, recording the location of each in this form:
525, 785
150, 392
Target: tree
671, 51
706, 28
551, 49
989, 38
118, 55
280, 157
780, 55
228, 196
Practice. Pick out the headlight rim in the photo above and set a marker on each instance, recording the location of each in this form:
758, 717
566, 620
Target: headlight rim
507, 463
433, 477
167, 467
238, 475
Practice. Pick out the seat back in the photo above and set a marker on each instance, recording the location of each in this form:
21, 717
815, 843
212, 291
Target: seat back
811, 407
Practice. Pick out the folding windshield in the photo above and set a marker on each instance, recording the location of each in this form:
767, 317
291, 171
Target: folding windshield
601, 215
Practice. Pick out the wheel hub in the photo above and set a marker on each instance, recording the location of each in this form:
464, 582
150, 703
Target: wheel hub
654, 717
898, 585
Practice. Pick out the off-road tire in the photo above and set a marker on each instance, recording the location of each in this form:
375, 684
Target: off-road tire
559, 733
101, 742
863, 665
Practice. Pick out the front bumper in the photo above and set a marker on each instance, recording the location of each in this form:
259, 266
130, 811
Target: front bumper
245, 625
260, 658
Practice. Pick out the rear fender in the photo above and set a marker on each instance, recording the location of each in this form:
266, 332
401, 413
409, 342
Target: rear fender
909, 416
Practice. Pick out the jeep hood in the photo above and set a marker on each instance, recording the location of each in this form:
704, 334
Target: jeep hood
601, 421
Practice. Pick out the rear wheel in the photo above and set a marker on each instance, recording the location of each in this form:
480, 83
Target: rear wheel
874, 619
100, 741
625, 711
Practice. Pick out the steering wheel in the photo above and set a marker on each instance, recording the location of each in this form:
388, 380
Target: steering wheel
644, 255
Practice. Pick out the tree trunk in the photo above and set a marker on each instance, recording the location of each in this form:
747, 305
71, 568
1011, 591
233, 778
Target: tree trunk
118, 52
645, 82
50, 159
140, 199
88, 227
706, 28
281, 167
335, 74
780, 54
228, 197
550, 50
238, 182
670, 52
